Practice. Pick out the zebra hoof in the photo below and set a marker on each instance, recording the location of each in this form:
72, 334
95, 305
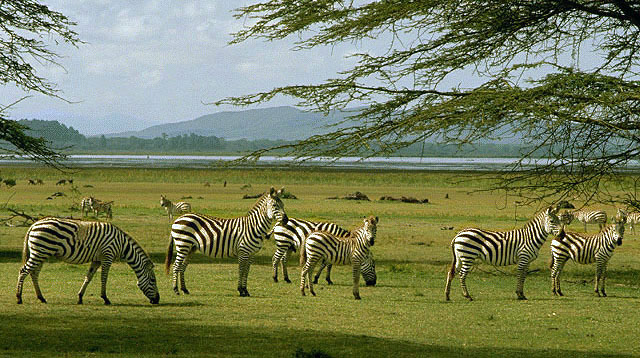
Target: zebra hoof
185, 291
106, 301
42, 299
329, 282
315, 281
522, 298
79, 300
275, 279
19, 300
286, 279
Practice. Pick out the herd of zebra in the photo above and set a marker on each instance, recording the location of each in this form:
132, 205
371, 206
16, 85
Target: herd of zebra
101, 243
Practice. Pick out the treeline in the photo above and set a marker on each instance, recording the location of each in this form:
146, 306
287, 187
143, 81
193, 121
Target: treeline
70, 140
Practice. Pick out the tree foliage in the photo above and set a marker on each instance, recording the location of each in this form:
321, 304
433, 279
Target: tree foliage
27, 30
560, 75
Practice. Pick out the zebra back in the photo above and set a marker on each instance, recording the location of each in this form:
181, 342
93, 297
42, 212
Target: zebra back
292, 234
590, 216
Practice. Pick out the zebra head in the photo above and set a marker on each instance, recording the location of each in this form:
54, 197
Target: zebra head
147, 282
163, 200
620, 219
275, 206
552, 223
368, 269
370, 229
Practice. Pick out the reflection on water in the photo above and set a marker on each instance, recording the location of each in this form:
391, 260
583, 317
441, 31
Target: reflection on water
209, 161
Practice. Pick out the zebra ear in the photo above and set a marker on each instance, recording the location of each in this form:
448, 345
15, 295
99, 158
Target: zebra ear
280, 192
272, 191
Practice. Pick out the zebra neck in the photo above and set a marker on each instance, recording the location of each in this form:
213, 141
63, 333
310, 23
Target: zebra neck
257, 219
133, 254
536, 227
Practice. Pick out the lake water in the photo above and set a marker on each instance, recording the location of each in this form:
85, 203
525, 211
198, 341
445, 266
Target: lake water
208, 161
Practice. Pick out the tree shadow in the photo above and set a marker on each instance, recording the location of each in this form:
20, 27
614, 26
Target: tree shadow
107, 333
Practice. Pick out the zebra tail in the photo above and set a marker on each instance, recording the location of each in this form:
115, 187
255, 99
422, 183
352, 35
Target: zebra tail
452, 270
25, 247
303, 253
169, 258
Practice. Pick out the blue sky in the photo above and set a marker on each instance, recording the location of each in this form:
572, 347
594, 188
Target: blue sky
155, 61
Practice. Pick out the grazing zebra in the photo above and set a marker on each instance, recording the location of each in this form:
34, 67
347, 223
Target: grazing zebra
99, 206
79, 242
590, 217
177, 208
586, 249
289, 236
86, 205
501, 248
239, 237
632, 219
354, 249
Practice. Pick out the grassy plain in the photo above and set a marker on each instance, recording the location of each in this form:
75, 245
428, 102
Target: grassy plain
405, 315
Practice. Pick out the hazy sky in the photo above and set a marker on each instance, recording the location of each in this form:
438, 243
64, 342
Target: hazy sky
157, 61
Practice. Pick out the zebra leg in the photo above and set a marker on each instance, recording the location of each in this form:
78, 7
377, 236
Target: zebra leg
316, 277
465, 268
24, 272
305, 275
450, 275
523, 267
356, 279
328, 277
104, 274
92, 270
35, 272
179, 267
285, 271
600, 271
558, 265
244, 263
275, 261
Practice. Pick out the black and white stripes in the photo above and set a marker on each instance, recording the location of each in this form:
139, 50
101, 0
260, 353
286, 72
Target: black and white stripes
178, 208
288, 237
586, 249
79, 242
501, 248
238, 237
590, 217
354, 249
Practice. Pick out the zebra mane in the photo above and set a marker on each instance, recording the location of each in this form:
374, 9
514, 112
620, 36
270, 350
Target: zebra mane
136, 245
258, 203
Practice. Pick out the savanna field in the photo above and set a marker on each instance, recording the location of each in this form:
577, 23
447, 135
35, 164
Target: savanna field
405, 315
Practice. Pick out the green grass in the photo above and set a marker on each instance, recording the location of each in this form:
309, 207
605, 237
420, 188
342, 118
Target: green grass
405, 315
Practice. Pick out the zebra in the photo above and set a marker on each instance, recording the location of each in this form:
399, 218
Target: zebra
354, 249
99, 206
586, 249
240, 237
86, 205
590, 217
177, 208
78, 242
501, 248
632, 219
288, 237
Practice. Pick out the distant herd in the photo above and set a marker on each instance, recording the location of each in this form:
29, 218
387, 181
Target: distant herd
101, 243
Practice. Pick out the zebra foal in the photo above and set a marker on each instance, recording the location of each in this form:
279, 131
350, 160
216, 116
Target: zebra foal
179, 208
353, 249
240, 237
86, 204
290, 237
79, 242
501, 248
586, 249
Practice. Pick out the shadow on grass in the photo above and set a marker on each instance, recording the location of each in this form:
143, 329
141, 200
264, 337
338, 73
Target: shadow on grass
105, 334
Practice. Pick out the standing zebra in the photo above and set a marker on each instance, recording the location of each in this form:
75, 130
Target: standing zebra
586, 249
633, 219
239, 237
86, 205
177, 208
354, 249
501, 248
590, 217
288, 237
80, 242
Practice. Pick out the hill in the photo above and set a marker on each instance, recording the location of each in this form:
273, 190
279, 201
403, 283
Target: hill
275, 123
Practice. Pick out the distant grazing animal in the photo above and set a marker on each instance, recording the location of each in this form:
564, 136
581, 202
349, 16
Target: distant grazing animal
290, 236
39, 181
61, 182
32, 182
240, 237
79, 242
590, 217
354, 249
99, 206
501, 248
586, 249
177, 208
